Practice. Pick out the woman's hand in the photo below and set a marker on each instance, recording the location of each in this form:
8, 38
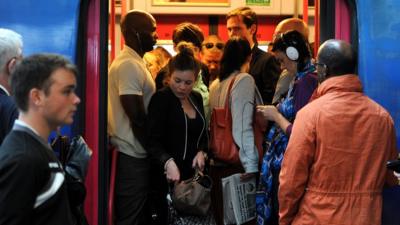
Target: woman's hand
199, 161
269, 112
172, 172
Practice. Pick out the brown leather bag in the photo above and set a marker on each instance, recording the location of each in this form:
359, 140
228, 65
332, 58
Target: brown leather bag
193, 196
222, 144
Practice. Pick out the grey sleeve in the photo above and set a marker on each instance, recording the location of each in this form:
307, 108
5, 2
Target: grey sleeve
242, 108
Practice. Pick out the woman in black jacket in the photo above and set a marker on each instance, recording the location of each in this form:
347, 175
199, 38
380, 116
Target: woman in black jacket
177, 126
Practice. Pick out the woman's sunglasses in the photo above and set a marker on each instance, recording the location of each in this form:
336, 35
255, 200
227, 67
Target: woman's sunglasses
220, 46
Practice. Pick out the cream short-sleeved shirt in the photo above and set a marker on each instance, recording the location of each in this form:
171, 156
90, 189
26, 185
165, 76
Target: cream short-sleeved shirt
127, 75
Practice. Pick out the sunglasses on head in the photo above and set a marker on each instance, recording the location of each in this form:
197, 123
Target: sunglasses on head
220, 46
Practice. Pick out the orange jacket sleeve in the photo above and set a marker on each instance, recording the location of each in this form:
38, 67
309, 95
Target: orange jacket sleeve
295, 167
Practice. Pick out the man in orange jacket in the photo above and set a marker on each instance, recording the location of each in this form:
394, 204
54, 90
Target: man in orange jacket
334, 166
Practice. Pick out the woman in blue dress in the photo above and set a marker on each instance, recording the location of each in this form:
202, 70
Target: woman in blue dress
293, 52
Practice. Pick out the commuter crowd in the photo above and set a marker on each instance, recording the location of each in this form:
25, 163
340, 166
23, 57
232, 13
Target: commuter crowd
324, 148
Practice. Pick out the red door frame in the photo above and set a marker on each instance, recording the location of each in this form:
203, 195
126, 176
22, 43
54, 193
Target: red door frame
342, 21
92, 103
96, 110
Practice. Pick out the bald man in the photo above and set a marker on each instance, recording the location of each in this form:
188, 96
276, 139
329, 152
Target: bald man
292, 24
130, 87
211, 54
334, 167
286, 78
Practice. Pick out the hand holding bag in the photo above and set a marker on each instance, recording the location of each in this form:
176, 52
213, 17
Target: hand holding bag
193, 196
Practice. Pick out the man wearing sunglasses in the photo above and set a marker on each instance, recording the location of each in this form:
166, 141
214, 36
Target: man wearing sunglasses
10, 54
211, 54
263, 66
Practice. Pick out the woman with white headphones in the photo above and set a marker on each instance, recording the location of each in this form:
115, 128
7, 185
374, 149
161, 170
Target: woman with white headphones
293, 52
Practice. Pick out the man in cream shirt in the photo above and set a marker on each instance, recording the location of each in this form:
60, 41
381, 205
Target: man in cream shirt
130, 87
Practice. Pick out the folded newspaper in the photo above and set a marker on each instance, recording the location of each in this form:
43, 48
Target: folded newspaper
239, 198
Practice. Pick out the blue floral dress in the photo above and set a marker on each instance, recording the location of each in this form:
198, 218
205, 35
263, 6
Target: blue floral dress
277, 141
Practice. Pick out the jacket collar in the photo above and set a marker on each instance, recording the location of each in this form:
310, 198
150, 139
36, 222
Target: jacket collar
255, 51
3, 90
342, 83
22, 126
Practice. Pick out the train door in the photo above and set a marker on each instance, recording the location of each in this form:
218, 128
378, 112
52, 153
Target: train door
379, 66
76, 29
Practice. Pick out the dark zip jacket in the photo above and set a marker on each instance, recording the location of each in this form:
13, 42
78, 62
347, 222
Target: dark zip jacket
167, 128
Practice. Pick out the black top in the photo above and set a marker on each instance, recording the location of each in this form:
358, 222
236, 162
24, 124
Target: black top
172, 134
265, 70
194, 129
28, 169
8, 114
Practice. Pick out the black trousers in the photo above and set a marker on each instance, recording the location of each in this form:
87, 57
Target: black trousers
131, 190
158, 191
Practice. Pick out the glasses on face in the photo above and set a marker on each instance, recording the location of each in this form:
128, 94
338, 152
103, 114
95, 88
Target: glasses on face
220, 46
319, 64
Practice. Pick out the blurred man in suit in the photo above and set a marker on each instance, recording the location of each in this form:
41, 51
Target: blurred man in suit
10, 54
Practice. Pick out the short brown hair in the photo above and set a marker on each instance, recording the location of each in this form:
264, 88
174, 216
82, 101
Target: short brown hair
249, 17
188, 32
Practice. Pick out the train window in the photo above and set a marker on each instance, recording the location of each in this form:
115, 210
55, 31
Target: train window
191, 2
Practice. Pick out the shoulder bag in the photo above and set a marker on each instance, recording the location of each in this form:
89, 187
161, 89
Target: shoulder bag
222, 144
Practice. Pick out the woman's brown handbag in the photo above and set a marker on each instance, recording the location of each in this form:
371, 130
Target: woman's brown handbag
222, 144
193, 196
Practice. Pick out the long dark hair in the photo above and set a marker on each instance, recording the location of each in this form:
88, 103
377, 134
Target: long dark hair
236, 52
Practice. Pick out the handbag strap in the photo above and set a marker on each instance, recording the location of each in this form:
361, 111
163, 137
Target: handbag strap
227, 108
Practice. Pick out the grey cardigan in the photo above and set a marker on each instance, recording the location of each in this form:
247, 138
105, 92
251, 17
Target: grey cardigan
244, 98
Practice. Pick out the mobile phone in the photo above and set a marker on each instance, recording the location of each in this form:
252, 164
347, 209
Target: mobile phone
393, 165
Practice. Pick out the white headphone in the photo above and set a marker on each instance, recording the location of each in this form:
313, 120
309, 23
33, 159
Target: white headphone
292, 53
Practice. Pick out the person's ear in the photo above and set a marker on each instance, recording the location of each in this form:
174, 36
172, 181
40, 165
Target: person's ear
36, 96
11, 65
253, 29
249, 58
196, 53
